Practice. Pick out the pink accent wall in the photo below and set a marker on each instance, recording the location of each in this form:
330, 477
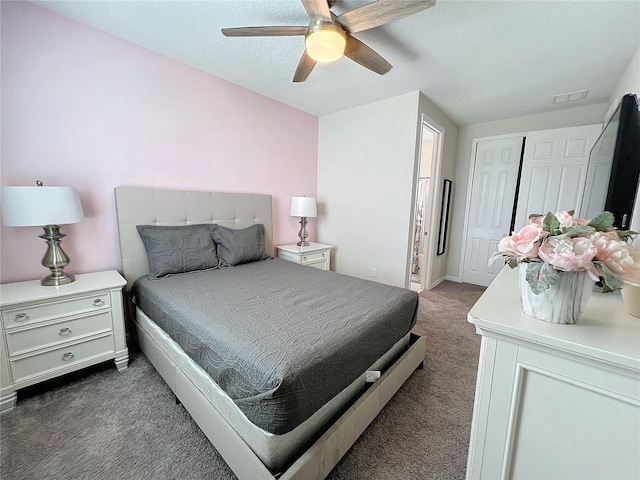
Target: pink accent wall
85, 109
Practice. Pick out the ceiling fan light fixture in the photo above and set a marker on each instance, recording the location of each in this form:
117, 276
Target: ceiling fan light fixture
326, 43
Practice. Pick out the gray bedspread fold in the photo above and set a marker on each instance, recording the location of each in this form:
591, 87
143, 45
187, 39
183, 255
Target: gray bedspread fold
280, 338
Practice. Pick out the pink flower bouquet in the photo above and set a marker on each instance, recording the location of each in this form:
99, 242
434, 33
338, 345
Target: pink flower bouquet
560, 242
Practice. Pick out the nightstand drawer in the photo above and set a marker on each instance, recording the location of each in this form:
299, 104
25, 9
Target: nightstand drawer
46, 332
316, 255
43, 363
313, 257
319, 265
48, 335
49, 310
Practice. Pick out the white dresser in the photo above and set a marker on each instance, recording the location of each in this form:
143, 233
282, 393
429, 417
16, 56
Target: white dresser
50, 331
555, 401
316, 255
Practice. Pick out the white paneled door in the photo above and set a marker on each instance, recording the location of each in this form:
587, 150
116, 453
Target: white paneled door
495, 177
554, 169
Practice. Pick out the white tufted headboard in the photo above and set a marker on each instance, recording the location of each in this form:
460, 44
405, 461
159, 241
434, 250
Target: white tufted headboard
146, 206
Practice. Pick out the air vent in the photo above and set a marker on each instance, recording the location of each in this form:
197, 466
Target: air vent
571, 96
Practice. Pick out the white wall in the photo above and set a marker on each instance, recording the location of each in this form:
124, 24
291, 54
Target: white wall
368, 160
366, 163
426, 154
629, 82
586, 115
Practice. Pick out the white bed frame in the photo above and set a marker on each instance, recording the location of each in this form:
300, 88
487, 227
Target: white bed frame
140, 206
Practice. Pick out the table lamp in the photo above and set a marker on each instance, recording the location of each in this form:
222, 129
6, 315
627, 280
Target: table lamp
303, 207
46, 207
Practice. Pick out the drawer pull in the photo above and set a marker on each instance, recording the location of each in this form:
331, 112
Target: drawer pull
304, 258
21, 317
64, 332
324, 254
67, 356
98, 302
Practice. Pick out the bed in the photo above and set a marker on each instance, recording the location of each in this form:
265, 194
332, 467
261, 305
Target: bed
303, 437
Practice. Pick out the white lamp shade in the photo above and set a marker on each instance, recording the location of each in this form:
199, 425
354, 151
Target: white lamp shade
326, 45
39, 206
303, 207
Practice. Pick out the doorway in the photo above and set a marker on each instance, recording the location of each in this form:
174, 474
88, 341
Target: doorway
425, 188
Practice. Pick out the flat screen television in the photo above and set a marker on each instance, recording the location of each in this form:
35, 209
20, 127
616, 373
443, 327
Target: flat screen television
614, 166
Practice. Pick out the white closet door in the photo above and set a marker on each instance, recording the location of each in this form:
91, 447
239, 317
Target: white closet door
493, 189
554, 168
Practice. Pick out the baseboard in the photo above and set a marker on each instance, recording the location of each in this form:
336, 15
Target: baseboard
453, 279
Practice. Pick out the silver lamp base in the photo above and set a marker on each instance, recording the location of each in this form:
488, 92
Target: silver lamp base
56, 280
55, 259
303, 233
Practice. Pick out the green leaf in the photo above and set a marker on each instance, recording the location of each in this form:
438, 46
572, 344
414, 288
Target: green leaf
540, 276
513, 263
576, 230
605, 288
534, 215
549, 274
571, 212
602, 222
497, 255
551, 223
611, 280
623, 234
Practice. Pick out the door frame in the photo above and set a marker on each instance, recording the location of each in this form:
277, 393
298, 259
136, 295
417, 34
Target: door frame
434, 193
467, 208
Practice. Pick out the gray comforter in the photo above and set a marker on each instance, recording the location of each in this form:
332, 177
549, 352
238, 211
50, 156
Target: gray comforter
281, 339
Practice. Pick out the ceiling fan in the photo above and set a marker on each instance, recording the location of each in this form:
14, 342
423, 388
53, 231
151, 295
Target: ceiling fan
328, 36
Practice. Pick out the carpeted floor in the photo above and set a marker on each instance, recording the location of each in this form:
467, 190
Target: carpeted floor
101, 424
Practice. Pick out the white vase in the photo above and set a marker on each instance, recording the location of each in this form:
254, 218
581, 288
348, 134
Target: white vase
563, 302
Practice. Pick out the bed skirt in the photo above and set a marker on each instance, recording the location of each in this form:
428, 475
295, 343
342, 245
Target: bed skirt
316, 461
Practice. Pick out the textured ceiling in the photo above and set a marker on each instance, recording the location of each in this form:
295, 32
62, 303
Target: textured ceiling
477, 60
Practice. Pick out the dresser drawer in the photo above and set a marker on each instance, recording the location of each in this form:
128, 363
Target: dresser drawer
48, 335
49, 310
313, 257
65, 356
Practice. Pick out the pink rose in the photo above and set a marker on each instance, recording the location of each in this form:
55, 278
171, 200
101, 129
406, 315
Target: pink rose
537, 220
565, 219
522, 244
613, 252
570, 254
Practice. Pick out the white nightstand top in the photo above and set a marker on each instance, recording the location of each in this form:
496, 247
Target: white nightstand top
32, 290
313, 247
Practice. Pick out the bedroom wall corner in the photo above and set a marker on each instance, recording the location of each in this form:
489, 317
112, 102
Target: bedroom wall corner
629, 83
366, 162
83, 108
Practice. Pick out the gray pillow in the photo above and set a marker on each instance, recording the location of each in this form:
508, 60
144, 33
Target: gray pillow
178, 248
236, 247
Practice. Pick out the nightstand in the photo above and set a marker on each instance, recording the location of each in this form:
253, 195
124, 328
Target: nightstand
46, 332
316, 255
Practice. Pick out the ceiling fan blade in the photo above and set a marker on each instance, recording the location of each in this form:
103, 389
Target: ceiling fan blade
380, 12
366, 56
264, 31
317, 9
305, 65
